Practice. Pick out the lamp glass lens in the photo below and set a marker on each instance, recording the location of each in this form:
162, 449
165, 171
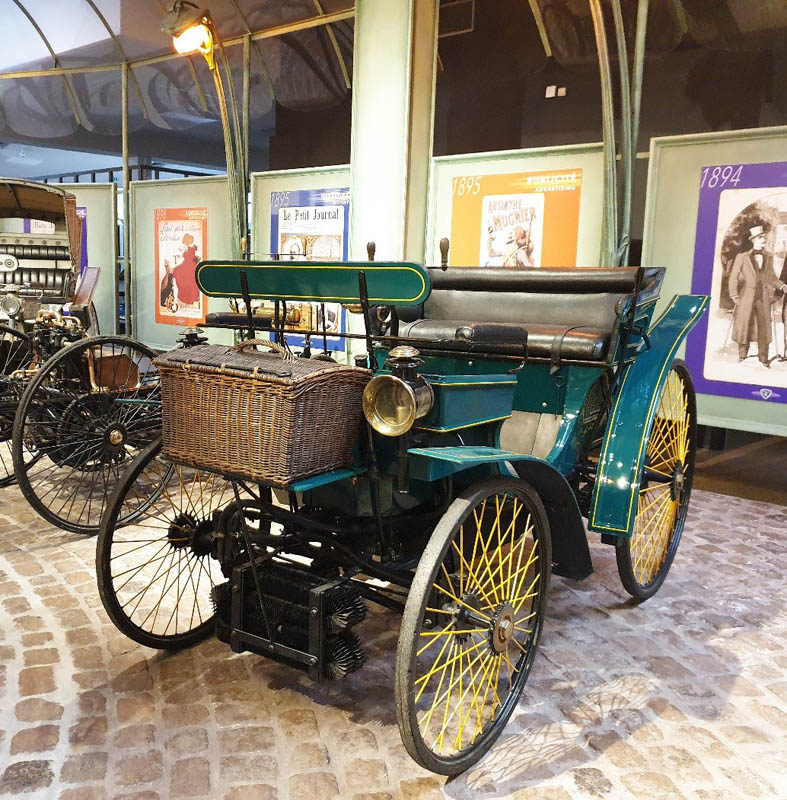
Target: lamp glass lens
393, 405
197, 37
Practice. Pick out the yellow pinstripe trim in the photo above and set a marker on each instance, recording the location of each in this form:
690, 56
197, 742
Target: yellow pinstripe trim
460, 427
654, 398
472, 383
332, 298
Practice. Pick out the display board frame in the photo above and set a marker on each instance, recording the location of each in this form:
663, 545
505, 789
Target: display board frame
100, 203
299, 183
669, 240
209, 192
587, 157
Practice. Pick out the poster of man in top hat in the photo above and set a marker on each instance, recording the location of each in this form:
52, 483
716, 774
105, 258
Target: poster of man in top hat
739, 259
752, 285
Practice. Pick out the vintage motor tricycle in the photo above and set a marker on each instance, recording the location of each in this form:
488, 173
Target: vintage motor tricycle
73, 405
444, 476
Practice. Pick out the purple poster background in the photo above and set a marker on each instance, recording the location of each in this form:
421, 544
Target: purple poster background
82, 214
768, 176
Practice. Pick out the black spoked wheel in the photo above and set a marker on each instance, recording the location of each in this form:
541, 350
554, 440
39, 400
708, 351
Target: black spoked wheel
471, 624
665, 485
89, 411
15, 354
155, 575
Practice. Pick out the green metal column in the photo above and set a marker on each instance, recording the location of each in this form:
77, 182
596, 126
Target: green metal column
393, 107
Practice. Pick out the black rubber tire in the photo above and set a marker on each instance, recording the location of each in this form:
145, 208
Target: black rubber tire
9, 394
418, 599
627, 560
30, 474
104, 557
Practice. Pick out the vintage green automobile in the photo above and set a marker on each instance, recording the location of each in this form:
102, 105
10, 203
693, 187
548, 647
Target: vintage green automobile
502, 406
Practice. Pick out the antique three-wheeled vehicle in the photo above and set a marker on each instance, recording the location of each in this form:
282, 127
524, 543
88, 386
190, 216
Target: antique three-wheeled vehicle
73, 405
444, 476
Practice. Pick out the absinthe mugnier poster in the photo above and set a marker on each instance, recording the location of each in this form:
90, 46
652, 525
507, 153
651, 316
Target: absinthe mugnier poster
739, 347
311, 225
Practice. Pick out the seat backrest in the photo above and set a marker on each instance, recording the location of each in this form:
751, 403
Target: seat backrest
567, 296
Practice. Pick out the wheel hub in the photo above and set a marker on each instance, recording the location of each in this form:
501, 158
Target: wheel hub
115, 436
678, 481
502, 628
186, 531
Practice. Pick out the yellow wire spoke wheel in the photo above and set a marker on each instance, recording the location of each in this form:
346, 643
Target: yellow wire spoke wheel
471, 623
664, 488
155, 574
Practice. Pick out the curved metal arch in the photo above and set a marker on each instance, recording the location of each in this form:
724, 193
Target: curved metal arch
336, 48
76, 106
119, 48
265, 71
192, 69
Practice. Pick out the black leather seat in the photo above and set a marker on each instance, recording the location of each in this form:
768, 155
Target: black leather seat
565, 313
582, 343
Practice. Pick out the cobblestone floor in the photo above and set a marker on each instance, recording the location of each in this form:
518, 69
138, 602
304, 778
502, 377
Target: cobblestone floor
684, 696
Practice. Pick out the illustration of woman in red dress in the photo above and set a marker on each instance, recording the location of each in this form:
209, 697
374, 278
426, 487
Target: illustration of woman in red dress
184, 272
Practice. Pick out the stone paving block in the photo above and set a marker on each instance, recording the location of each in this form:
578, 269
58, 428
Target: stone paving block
88, 730
36, 680
26, 776
36, 709
44, 655
137, 708
84, 767
145, 768
236, 769
361, 773
134, 736
309, 755
248, 739
314, 785
84, 793
192, 740
35, 740
258, 791
190, 778
183, 716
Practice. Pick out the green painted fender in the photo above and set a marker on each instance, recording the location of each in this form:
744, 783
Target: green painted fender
613, 507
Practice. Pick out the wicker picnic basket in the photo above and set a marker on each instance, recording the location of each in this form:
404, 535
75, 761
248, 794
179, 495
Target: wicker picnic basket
263, 416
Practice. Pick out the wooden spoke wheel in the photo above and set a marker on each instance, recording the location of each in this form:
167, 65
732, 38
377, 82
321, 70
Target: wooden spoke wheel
15, 354
471, 623
155, 574
86, 414
664, 488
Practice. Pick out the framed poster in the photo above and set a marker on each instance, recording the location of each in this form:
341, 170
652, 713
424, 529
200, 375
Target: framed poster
528, 219
181, 242
540, 206
311, 225
739, 348
96, 203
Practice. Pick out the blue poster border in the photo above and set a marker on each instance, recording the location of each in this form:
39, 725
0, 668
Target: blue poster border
769, 175
312, 198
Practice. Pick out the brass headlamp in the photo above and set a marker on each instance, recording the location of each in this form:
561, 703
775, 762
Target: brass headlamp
392, 403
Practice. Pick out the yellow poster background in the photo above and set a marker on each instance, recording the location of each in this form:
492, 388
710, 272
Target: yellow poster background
559, 227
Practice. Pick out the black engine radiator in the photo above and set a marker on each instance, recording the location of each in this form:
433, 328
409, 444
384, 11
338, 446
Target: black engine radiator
310, 619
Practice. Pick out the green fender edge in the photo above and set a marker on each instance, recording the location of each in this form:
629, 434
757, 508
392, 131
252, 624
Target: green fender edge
570, 551
613, 506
